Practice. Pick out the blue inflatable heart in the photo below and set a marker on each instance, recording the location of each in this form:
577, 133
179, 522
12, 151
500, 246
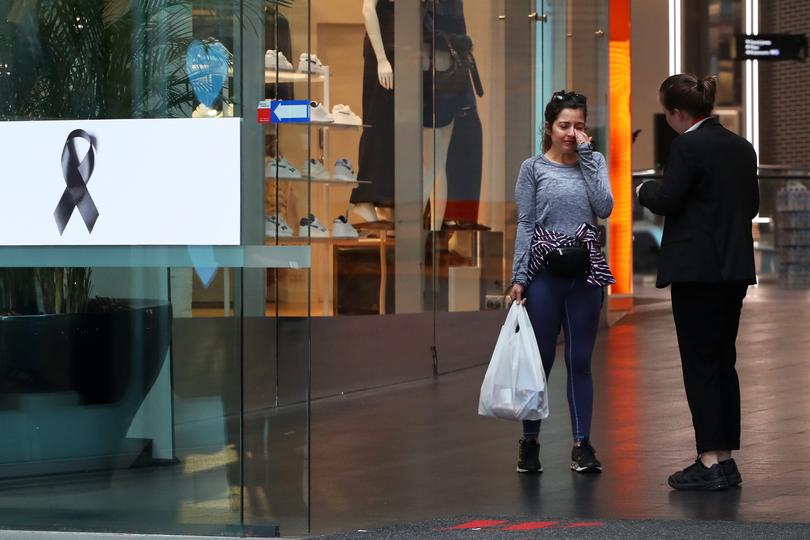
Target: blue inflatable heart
207, 70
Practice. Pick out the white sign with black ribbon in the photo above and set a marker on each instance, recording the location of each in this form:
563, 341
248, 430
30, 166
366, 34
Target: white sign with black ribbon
120, 182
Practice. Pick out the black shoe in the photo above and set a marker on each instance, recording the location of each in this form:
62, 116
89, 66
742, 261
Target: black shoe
583, 458
731, 471
529, 457
698, 477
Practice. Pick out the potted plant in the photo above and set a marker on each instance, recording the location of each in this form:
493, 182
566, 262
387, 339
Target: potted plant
74, 369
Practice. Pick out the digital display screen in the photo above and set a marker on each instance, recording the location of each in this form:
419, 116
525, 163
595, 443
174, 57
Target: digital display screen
771, 47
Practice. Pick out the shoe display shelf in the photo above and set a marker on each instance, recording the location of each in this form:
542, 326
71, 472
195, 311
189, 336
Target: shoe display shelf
324, 257
322, 201
324, 191
273, 76
306, 179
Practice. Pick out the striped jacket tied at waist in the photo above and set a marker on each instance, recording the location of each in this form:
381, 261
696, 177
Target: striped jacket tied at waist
587, 236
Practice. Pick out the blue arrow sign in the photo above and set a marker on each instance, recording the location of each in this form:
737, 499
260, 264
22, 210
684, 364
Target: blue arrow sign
289, 111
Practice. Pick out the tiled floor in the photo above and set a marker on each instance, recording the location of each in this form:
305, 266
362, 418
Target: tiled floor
419, 451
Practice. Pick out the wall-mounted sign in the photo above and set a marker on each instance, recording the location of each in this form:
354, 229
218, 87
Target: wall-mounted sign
771, 47
120, 182
283, 111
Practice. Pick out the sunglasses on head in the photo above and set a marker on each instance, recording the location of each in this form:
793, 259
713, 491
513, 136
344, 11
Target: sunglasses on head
563, 95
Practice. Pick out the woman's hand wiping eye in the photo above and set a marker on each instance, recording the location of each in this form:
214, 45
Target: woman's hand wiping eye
582, 136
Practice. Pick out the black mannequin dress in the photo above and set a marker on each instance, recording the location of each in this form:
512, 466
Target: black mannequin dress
376, 163
376, 151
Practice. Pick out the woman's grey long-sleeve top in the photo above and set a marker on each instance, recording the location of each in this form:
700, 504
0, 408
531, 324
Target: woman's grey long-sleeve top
559, 198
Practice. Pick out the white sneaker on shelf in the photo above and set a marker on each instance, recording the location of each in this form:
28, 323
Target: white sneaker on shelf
276, 226
344, 170
276, 59
285, 169
318, 114
310, 226
343, 229
204, 112
309, 63
317, 169
343, 114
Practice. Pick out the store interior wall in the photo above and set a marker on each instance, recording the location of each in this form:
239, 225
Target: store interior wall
337, 39
649, 49
587, 63
486, 31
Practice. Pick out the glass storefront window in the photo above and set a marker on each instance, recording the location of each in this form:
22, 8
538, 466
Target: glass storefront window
144, 387
709, 51
375, 235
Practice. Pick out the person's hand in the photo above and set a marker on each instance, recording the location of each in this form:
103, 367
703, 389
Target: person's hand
385, 74
516, 294
582, 137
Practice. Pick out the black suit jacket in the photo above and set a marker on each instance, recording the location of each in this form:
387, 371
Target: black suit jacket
709, 195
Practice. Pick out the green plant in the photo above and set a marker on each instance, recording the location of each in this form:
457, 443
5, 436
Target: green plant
44, 290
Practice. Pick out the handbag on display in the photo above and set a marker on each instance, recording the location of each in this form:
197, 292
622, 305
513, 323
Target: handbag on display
462, 71
514, 386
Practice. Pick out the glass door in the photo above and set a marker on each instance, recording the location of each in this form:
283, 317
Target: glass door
551, 69
491, 132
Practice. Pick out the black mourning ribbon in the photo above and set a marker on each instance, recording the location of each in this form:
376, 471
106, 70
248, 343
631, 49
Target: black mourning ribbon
77, 174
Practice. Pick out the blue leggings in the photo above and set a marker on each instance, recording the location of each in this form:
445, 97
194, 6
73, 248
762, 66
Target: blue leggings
573, 305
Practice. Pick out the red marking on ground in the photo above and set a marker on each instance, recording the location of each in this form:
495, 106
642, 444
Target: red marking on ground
584, 524
479, 524
530, 526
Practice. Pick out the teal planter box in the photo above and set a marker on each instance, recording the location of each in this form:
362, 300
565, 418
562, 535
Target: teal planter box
70, 386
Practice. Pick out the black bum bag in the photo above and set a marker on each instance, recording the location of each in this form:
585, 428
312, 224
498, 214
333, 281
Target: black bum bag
568, 262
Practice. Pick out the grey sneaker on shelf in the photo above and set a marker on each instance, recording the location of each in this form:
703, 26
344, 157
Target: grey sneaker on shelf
310, 226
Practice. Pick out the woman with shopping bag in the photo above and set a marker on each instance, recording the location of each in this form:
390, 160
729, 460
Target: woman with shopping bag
559, 271
514, 386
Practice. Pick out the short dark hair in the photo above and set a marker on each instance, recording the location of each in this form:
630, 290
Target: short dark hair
687, 93
559, 101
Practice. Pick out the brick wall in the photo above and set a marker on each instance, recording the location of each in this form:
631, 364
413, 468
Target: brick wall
785, 89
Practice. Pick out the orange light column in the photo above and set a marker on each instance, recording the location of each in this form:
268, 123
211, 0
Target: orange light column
621, 221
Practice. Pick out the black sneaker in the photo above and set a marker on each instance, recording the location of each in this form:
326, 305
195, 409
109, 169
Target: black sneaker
733, 476
698, 477
529, 457
583, 459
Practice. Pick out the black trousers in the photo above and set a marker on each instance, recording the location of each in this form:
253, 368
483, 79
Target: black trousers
707, 317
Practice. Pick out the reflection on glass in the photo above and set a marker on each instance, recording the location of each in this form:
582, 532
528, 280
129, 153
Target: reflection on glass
121, 390
713, 25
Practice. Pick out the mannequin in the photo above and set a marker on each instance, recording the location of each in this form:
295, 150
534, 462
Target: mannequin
444, 27
385, 72
439, 110
436, 143
379, 49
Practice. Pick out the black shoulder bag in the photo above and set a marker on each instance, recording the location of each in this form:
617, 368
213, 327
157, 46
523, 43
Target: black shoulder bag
463, 69
570, 262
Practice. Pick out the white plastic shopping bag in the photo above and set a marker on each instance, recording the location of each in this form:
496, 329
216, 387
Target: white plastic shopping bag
514, 386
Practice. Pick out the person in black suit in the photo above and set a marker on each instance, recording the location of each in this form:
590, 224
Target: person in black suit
709, 195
